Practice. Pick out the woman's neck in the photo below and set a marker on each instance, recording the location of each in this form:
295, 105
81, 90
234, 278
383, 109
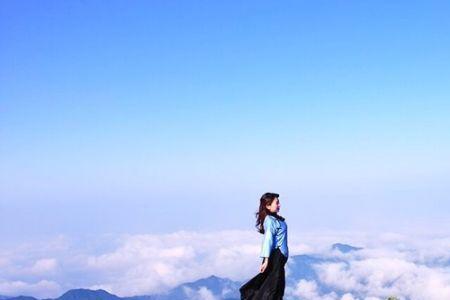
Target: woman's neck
276, 215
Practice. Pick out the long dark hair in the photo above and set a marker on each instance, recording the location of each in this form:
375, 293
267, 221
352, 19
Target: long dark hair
266, 199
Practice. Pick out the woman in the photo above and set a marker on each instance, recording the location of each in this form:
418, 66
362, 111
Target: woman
269, 284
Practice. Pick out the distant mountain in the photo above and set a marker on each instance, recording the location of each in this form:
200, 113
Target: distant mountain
220, 288
22, 298
344, 248
77, 294
4, 297
86, 294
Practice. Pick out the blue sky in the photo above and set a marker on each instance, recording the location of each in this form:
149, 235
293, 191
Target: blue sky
150, 116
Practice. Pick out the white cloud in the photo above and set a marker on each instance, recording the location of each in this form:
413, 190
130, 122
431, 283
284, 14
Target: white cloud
137, 264
385, 276
390, 264
308, 290
44, 266
203, 293
348, 296
41, 289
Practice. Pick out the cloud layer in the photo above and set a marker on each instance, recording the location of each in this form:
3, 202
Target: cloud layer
406, 266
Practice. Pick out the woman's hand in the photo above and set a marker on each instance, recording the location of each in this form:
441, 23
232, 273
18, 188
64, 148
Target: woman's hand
264, 265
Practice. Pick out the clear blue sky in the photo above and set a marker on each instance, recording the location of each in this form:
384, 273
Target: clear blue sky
116, 116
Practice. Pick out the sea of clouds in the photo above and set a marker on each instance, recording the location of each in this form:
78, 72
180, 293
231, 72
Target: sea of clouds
409, 266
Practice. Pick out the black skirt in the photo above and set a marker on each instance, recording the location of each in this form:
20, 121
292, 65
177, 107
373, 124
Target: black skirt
270, 284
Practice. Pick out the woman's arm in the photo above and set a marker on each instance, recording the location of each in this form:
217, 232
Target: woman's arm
269, 234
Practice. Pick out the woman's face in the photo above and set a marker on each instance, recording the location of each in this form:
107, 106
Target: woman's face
274, 206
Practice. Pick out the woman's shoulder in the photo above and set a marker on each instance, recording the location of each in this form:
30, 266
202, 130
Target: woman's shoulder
276, 217
269, 220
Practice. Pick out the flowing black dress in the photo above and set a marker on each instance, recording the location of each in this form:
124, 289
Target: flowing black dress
270, 284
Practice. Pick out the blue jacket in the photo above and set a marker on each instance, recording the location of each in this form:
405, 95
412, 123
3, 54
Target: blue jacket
275, 236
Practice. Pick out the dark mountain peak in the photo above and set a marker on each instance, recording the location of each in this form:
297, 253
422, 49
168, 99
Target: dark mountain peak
87, 294
21, 298
344, 248
211, 280
214, 278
